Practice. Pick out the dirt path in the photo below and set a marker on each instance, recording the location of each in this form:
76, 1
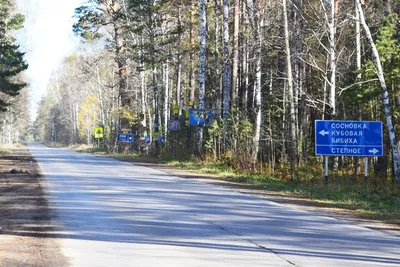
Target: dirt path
25, 227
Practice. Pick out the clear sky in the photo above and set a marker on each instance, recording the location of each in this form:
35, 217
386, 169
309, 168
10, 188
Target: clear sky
47, 38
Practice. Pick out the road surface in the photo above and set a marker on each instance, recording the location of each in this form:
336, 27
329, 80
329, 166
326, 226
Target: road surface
111, 213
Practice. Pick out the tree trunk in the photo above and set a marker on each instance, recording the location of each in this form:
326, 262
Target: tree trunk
257, 85
202, 71
292, 115
385, 95
217, 63
179, 82
191, 71
166, 98
143, 96
358, 65
227, 67
235, 55
155, 99
298, 82
245, 65
332, 94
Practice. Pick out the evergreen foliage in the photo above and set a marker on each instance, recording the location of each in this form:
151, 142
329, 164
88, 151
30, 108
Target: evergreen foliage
11, 59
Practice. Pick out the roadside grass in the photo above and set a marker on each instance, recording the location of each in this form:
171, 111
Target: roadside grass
5, 151
10, 147
375, 199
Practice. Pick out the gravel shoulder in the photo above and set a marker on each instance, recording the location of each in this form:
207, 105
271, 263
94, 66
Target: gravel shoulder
26, 237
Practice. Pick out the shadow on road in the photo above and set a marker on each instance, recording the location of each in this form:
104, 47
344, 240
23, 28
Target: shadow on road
97, 199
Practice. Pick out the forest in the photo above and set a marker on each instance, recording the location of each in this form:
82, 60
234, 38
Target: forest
14, 113
238, 82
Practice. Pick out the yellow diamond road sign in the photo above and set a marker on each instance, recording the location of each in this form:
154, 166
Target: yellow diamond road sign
98, 133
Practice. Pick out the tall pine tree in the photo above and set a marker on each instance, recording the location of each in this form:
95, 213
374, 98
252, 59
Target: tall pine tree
11, 59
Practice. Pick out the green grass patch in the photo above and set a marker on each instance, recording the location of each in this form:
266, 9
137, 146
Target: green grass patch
5, 151
11, 147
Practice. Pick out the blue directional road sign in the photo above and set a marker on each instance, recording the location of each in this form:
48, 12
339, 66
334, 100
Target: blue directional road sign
125, 138
348, 138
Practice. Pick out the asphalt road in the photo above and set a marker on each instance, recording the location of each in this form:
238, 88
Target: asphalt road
111, 213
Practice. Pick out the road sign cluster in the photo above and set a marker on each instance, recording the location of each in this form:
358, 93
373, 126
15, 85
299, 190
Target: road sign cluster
348, 138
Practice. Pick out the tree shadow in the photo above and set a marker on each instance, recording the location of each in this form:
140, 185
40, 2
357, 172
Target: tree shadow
100, 199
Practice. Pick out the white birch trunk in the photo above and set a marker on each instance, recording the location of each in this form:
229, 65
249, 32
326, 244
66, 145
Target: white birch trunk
227, 67
192, 44
235, 56
292, 115
257, 85
100, 92
332, 52
155, 100
358, 43
332, 95
166, 99
245, 64
179, 83
143, 96
385, 95
358, 65
202, 71
217, 62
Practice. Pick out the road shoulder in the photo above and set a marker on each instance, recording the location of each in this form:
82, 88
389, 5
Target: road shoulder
26, 234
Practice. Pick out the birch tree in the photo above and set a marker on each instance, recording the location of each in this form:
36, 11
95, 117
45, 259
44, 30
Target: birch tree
292, 115
235, 55
107, 14
256, 27
227, 66
385, 95
202, 70
332, 53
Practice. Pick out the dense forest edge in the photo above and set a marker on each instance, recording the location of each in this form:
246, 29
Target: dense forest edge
232, 88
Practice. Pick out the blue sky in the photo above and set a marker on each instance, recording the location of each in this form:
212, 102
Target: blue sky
47, 39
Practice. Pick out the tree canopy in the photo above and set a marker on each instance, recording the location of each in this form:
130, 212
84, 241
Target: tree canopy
11, 59
270, 67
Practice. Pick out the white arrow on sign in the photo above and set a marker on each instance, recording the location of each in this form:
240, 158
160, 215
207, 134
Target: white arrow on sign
373, 151
323, 132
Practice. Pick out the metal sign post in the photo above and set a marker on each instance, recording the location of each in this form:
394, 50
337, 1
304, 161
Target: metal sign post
348, 138
326, 169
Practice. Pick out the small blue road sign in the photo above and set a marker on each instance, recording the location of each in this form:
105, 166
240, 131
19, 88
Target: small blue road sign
348, 138
125, 138
200, 117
